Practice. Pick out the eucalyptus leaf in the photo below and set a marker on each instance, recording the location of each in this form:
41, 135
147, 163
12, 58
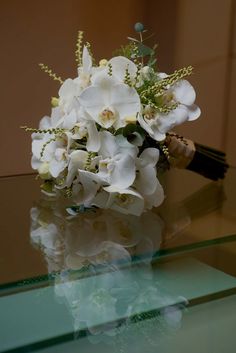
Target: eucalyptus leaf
144, 50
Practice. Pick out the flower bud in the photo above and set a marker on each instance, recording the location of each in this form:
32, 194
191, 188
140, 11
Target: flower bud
54, 102
103, 62
139, 27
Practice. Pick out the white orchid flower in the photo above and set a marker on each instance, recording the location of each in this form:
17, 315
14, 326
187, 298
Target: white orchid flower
79, 160
81, 175
79, 124
50, 157
71, 88
158, 124
110, 103
85, 188
127, 201
117, 160
82, 126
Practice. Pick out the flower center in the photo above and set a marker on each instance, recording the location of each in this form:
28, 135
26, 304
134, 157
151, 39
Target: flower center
124, 200
107, 116
149, 113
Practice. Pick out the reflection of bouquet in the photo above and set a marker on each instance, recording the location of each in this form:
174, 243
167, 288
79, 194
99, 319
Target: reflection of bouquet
99, 238
101, 265
95, 146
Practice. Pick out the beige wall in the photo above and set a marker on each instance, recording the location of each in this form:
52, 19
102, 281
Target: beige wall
188, 32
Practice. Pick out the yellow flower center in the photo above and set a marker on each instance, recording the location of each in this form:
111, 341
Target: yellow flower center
107, 115
124, 199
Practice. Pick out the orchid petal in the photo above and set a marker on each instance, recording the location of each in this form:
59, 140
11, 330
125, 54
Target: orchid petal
184, 92
193, 112
35, 163
93, 101
108, 147
86, 60
149, 156
56, 167
56, 117
146, 180
90, 185
134, 204
93, 141
70, 120
126, 147
119, 66
175, 117
155, 199
125, 100
45, 123
123, 174
77, 161
66, 89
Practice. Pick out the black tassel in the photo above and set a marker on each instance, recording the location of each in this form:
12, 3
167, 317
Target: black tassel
209, 162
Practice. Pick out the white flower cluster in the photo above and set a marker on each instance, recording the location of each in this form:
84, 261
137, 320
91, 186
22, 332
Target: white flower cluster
81, 148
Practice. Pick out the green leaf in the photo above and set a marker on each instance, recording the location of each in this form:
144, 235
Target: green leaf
144, 50
130, 129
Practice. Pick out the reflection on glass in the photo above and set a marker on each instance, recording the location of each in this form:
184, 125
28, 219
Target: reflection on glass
101, 263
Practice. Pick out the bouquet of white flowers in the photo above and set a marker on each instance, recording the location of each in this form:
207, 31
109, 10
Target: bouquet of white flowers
102, 144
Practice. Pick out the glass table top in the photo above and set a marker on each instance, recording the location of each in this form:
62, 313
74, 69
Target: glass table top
103, 281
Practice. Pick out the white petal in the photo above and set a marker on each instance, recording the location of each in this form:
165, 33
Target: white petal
57, 117
175, 117
144, 124
146, 180
156, 134
162, 75
70, 120
56, 167
101, 199
37, 145
155, 199
150, 156
125, 100
67, 89
184, 92
77, 161
49, 151
90, 185
123, 174
93, 100
134, 204
93, 141
45, 123
103, 80
126, 147
35, 163
109, 147
193, 112
86, 60
119, 66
